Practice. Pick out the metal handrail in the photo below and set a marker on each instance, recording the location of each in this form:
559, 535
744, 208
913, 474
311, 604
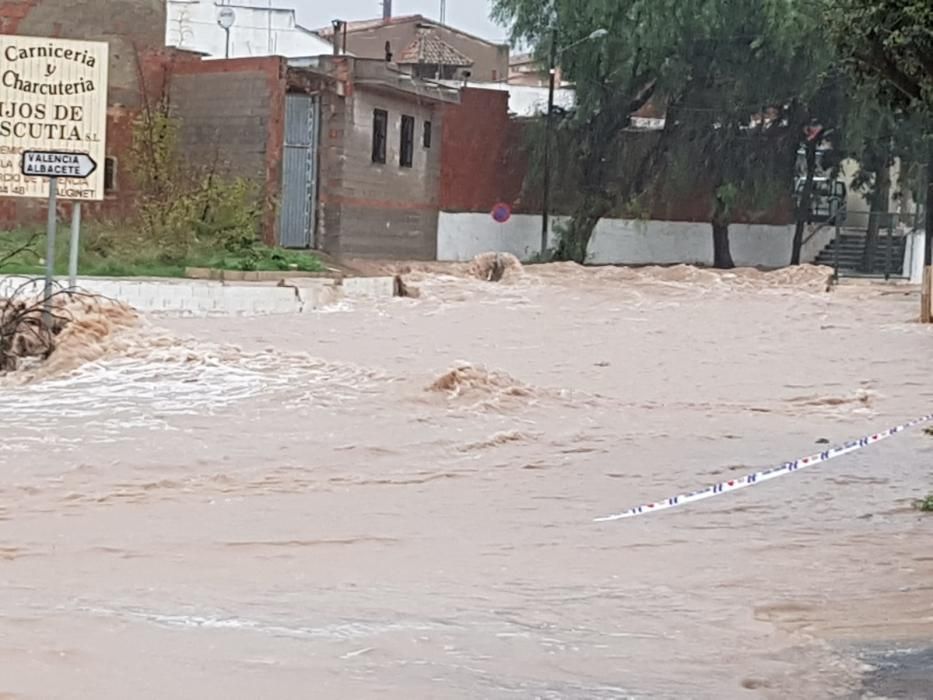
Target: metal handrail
815, 231
888, 253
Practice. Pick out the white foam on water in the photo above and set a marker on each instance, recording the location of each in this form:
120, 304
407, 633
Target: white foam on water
342, 631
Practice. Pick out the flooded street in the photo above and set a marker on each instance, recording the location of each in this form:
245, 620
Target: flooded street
396, 499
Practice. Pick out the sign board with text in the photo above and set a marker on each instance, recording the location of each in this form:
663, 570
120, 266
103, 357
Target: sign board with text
53, 100
58, 164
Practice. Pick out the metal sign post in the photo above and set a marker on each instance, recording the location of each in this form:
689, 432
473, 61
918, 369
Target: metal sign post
50, 249
53, 165
75, 245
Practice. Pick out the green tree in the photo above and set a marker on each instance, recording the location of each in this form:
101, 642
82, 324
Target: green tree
719, 66
614, 77
818, 115
869, 141
749, 67
888, 46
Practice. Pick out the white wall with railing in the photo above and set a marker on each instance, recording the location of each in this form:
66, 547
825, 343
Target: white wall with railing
259, 29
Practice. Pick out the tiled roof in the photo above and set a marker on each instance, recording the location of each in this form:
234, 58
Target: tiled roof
427, 48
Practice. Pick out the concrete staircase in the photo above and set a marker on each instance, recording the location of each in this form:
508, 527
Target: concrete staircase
852, 249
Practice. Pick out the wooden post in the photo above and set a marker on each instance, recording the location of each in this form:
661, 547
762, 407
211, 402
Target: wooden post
926, 296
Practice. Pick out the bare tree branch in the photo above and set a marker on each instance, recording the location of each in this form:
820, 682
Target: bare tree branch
30, 322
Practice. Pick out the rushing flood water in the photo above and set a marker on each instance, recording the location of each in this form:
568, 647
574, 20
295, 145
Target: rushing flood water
396, 500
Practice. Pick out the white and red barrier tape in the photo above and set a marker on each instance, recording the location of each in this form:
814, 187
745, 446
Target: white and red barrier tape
758, 477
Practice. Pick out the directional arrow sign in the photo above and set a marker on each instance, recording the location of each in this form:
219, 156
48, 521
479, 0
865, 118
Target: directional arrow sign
57, 164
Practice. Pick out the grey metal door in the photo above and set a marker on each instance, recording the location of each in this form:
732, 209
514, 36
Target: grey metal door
299, 171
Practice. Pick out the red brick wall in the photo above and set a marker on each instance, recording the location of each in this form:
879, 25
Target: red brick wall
155, 68
486, 161
246, 118
13, 12
139, 64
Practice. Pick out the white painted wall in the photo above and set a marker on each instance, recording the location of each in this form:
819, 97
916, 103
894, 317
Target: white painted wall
815, 245
260, 29
524, 100
460, 237
913, 257
209, 298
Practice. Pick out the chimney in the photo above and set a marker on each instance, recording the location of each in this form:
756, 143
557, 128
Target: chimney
386, 9
338, 25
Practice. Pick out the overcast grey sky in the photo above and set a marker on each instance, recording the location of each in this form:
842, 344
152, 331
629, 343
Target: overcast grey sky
469, 15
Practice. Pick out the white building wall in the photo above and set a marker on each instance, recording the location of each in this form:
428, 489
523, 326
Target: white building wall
260, 29
460, 237
913, 257
858, 206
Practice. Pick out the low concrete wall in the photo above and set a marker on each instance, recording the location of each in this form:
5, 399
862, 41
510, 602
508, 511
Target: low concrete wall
462, 236
206, 298
913, 257
813, 247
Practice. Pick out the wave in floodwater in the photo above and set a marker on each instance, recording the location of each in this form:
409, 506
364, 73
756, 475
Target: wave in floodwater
109, 363
342, 631
475, 388
467, 381
506, 270
436, 527
812, 278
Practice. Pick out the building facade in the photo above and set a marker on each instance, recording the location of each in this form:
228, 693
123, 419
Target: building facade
374, 159
349, 150
357, 156
528, 70
424, 47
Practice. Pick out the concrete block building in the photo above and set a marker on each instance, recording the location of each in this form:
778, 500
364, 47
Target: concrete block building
423, 47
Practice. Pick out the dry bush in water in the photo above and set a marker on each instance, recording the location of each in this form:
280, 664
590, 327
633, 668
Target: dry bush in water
26, 329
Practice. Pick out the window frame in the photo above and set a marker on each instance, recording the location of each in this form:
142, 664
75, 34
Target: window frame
406, 151
110, 164
380, 145
427, 135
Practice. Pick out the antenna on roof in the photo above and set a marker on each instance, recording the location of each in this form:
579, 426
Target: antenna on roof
443, 15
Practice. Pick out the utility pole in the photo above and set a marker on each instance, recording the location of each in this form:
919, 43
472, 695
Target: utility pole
549, 126
926, 293
443, 14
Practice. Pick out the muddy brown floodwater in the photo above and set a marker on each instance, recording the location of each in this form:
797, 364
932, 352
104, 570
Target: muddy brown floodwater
396, 499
